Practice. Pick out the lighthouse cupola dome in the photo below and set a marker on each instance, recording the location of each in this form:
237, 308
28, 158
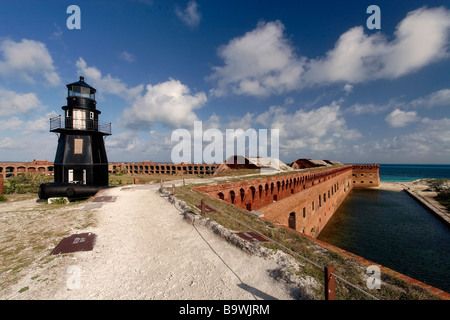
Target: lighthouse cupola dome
81, 95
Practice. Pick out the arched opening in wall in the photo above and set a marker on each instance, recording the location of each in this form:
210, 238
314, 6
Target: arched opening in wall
282, 186
266, 187
232, 196
278, 186
242, 194
291, 221
253, 190
260, 189
221, 196
275, 198
292, 191
248, 206
271, 188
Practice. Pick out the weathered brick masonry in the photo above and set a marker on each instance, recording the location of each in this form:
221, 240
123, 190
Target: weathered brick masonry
366, 175
12, 169
303, 201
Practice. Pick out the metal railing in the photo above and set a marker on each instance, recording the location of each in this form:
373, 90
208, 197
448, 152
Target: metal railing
59, 122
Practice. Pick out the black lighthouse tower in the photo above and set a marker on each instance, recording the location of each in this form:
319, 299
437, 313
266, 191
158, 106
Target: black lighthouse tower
81, 164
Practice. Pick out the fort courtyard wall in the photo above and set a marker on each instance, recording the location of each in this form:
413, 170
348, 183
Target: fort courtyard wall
12, 169
310, 210
303, 201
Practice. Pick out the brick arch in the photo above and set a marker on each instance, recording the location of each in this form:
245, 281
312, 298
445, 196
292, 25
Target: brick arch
253, 192
242, 194
232, 197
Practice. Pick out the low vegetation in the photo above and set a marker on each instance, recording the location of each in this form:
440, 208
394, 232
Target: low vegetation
25, 183
442, 188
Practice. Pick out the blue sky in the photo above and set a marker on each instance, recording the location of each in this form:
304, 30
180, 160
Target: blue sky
334, 88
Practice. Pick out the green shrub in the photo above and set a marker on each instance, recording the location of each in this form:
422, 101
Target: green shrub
25, 183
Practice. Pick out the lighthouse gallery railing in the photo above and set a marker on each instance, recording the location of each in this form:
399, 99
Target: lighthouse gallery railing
59, 122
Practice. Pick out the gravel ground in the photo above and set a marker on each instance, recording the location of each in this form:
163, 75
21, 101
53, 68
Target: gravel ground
146, 249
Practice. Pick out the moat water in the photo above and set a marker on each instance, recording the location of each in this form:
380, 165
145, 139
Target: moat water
392, 229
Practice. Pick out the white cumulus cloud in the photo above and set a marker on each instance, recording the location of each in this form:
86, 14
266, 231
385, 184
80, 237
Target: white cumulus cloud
170, 103
399, 118
263, 61
27, 60
17, 103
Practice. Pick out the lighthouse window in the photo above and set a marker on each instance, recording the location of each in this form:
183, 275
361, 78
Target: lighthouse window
91, 115
85, 92
74, 91
78, 91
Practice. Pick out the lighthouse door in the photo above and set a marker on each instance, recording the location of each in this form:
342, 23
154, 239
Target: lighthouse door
77, 176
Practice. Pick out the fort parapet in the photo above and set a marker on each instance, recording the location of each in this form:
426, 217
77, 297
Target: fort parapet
303, 201
151, 168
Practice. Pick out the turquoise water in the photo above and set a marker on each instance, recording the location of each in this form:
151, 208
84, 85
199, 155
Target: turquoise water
411, 172
392, 229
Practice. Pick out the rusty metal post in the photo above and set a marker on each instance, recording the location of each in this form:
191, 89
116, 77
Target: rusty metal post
203, 207
173, 189
330, 291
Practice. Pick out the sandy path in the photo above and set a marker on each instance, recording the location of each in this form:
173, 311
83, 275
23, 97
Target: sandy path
146, 250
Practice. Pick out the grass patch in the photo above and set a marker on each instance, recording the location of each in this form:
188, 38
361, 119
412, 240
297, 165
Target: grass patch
58, 201
25, 183
444, 198
23, 289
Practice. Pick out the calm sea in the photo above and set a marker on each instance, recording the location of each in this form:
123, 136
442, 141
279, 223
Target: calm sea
392, 229
411, 172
